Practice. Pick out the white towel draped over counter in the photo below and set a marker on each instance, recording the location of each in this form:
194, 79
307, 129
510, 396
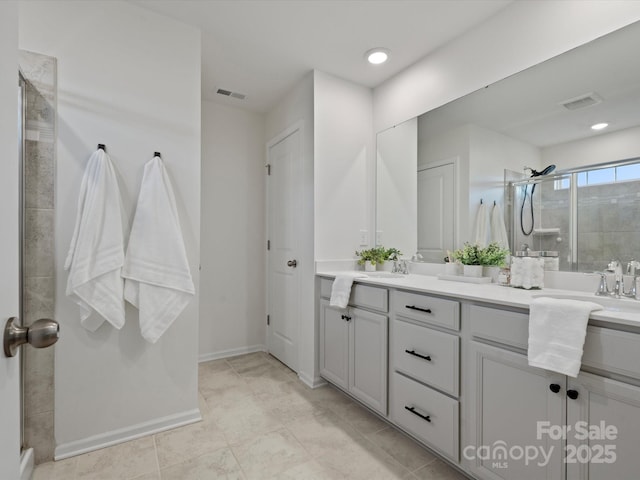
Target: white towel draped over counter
156, 270
96, 253
557, 329
341, 289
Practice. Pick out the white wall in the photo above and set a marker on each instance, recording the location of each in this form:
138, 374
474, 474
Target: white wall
297, 108
232, 279
397, 187
9, 368
130, 79
609, 147
519, 36
344, 166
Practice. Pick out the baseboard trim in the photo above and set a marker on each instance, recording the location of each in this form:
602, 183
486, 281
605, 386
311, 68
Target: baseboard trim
107, 439
27, 464
233, 352
311, 382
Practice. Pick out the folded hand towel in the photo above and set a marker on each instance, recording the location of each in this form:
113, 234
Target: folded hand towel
156, 270
557, 329
341, 289
96, 253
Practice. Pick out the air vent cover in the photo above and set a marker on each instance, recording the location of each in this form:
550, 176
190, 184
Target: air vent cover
229, 93
582, 101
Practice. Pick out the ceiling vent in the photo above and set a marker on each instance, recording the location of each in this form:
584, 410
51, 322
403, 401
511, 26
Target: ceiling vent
228, 93
582, 101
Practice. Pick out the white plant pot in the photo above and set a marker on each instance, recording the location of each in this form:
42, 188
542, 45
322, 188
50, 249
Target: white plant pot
472, 270
386, 266
452, 269
368, 267
492, 272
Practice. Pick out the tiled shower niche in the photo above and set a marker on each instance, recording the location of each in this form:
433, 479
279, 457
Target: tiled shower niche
38, 281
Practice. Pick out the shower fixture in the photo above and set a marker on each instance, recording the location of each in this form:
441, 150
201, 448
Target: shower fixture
534, 173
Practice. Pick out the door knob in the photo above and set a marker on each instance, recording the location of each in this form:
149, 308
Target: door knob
292, 263
42, 333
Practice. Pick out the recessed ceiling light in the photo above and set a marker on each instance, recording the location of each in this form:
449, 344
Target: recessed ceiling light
599, 126
376, 56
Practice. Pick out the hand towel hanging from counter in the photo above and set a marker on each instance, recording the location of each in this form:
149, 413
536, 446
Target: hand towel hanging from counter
341, 289
557, 330
96, 253
156, 270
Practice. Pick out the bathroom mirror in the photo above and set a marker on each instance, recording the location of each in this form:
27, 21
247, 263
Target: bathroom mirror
538, 117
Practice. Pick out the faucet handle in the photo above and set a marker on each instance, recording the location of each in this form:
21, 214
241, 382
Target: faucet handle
603, 288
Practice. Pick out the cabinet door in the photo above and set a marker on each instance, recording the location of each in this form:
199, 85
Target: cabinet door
605, 429
368, 358
508, 399
334, 345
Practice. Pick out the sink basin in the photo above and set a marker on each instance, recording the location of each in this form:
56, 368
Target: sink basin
607, 303
384, 275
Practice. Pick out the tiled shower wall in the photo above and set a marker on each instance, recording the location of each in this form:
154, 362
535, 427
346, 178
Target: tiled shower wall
38, 284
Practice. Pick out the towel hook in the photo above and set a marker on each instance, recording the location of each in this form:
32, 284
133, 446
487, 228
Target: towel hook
480, 201
157, 154
102, 146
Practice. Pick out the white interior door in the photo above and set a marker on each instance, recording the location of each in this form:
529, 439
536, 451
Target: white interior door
9, 287
283, 277
436, 211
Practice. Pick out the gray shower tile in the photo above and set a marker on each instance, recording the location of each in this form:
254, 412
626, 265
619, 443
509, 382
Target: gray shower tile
38, 381
39, 174
38, 242
38, 433
38, 298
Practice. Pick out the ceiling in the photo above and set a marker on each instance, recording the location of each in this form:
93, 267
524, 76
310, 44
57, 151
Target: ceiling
262, 48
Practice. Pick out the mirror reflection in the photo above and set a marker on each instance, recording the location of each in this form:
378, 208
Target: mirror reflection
493, 144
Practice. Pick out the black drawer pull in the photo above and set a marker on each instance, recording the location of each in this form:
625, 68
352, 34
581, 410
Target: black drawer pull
424, 357
413, 307
413, 410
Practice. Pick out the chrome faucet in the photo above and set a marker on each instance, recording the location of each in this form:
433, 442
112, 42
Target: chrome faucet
603, 288
633, 267
618, 287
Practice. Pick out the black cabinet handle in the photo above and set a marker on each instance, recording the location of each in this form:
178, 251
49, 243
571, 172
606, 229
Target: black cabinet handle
345, 317
413, 410
554, 387
424, 357
572, 394
413, 307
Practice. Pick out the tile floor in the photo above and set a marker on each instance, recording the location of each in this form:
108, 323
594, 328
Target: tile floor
261, 422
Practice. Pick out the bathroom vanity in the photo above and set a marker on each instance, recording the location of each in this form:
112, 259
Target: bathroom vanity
447, 364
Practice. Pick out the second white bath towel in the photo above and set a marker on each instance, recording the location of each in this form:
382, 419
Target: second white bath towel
156, 270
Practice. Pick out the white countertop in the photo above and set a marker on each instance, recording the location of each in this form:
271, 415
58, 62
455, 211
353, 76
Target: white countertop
619, 311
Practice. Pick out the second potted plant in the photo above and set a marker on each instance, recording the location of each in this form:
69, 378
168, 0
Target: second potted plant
474, 258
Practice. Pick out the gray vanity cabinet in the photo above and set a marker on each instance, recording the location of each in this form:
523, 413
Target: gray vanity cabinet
612, 409
507, 400
353, 345
515, 405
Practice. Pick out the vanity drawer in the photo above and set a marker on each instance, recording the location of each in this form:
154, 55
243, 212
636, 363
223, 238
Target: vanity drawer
502, 326
613, 351
425, 308
365, 296
441, 366
440, 430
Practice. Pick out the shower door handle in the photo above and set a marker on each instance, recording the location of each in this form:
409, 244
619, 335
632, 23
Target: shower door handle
41, 334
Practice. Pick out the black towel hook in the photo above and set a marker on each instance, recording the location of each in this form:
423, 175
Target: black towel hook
157, 154
102, 146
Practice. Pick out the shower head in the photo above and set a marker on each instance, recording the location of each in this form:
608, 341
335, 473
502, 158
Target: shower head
546, 171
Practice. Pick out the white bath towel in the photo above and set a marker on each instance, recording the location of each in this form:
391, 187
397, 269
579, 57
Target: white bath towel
557, 329
156, 270
96, 253
480, 230
341, 289
498, 228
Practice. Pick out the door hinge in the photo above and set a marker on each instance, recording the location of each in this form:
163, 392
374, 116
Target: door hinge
268, 320
268, 244
268, 167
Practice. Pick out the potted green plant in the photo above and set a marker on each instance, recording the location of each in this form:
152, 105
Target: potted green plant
469, 256
387, 257
369, 258
493, 257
